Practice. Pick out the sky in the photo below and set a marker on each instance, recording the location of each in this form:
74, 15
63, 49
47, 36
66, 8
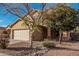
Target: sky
8, 18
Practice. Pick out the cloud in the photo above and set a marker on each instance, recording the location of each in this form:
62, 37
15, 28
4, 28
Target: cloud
1, 20
3, 25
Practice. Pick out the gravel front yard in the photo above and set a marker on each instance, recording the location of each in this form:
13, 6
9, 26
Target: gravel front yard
22, 49
65, 49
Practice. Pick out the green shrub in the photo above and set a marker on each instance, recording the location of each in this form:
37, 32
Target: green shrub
76, 29
49, 44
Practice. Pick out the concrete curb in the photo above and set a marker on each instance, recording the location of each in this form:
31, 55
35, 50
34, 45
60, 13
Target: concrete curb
2, 54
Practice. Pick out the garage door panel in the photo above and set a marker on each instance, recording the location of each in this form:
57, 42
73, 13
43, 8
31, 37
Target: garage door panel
21, 34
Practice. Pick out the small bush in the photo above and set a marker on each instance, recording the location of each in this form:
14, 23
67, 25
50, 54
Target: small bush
3, 45
4, 40
49, 44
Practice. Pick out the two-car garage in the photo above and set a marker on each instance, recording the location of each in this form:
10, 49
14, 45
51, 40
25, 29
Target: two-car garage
21, 35
18, 31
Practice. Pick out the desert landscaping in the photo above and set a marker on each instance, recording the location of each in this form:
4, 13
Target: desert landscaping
49, 30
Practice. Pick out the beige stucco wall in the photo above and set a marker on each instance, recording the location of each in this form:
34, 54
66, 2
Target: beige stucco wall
18, 25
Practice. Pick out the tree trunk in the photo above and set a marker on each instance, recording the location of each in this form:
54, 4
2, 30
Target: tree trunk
49, 33
30, 37
60, 37
68, 36
53, 35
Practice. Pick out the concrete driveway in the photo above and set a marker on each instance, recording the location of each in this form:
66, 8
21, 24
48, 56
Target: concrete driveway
12, 41
14, 47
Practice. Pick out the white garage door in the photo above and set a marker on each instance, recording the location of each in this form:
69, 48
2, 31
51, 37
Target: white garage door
21, 35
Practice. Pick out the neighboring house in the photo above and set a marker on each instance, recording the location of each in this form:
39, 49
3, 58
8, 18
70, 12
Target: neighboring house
2, 29
18, 31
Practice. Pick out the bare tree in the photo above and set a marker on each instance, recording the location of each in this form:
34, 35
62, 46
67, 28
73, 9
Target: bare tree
24, 10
